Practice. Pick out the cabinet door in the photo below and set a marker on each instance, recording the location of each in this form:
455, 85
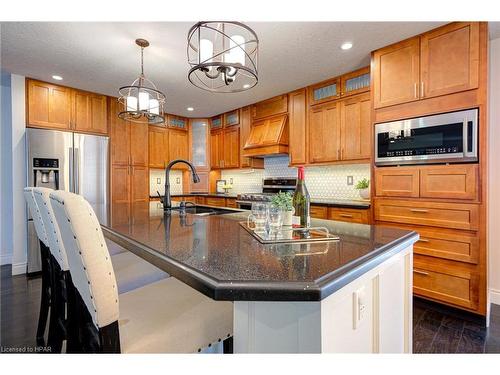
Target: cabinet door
156, 146
120, 136
216, 149
396, 73
48, 105
198, 136
297, 127
459, 181
232, 118
324, 91
356, 129
355, 82
450, 59
178, 146
89, 112
139, 144
177, 122
324, 133
231, 148
139, 182
397, 182
120, 184
270, 107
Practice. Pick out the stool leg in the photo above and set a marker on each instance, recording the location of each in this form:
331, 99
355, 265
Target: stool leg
45, 297
57, 329
73, 340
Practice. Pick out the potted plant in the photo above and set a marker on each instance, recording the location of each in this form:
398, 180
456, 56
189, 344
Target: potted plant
283, 201
362, 186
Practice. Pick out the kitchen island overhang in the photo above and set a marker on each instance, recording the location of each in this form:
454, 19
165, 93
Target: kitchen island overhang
356, 297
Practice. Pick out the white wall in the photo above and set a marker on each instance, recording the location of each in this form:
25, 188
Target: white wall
494, 174
13, 168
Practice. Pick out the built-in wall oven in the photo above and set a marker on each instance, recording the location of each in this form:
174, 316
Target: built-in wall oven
444, 138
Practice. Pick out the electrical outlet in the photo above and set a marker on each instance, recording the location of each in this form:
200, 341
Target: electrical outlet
178, 180
158, 180
350, 180
231, 180
360, 307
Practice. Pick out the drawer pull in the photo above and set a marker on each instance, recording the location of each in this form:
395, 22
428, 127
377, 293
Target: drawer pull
345, 215
421, 272
419, 210
422, 240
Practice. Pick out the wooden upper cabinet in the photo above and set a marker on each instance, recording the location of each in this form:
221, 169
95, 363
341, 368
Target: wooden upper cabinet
216, 122
324, 133
178, 143
216, 149
324, 91
177, 122
297, 127
89, 112
158, 147
48, 105
397, 182
356, 127
120, 135
355, 82
396, 73
270, 107
449, 60
245, 125
199, 143
232, 118
231, 148
139, 150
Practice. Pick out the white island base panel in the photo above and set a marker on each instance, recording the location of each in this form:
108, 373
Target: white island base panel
372, 314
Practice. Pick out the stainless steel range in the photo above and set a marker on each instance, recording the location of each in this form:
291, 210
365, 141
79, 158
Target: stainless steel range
270, 187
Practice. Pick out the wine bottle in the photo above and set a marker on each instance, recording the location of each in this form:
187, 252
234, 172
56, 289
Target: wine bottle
301, 202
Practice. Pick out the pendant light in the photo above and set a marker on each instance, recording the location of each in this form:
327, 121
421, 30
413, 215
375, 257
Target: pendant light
222, 56
142, 100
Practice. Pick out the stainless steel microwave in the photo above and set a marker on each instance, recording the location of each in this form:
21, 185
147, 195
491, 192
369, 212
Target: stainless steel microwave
445, 138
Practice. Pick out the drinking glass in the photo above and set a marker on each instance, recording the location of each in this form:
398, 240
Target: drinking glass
275, 220
258, 216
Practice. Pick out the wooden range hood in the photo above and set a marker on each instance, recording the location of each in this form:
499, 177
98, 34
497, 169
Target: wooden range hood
268, 136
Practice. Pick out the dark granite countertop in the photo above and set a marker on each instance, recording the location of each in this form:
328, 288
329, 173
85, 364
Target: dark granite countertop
347, 203
216, 256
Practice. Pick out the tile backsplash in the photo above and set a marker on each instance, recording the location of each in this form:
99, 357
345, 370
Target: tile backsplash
157, 181
322, 181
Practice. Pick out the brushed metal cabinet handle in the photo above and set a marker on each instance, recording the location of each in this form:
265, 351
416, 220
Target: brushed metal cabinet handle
345, 215
419, 210
421, 272
415, 90
423, 240
422, 94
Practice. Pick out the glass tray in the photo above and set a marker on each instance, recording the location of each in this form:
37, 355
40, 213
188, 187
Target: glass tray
293, 235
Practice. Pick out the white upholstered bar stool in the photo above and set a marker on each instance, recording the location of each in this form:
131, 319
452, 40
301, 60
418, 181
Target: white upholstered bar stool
166, 316
46, 265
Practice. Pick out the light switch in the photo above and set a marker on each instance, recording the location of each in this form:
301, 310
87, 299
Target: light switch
231, 180
158, 180
177, 180
359, 307
350, 180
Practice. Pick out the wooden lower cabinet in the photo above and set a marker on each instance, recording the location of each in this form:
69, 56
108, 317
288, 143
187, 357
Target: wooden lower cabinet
319, 212
352, 215
397, 182
434, 214
139, 184
231, 202
129, 184
459, 181
446, 281
215, 201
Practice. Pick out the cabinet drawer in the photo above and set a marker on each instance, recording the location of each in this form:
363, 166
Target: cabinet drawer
200, 200
231, 203
397, 182
220, 202
444, 282
350, 215
451, 181
319, 212
445, 215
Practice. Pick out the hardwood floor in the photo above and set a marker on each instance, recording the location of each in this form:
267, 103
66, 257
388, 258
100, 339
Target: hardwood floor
436, 328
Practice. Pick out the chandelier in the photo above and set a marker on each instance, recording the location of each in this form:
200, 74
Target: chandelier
142, 99
222, 56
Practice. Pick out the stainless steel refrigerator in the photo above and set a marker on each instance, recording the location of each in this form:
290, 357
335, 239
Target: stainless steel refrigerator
65, 161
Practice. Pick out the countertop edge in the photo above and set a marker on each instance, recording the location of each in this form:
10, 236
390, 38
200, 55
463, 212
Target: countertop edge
251, 290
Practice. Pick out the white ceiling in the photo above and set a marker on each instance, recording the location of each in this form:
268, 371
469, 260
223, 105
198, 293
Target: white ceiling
101, 57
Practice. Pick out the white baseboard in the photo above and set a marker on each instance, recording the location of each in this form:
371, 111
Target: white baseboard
5, 259
19, 268
495, 296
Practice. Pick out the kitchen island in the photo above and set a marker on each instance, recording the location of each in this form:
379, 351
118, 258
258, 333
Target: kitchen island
351, 295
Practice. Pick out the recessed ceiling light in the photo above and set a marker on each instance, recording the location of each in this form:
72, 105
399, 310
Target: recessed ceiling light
190, 109
346, 45
57, 78
246, 86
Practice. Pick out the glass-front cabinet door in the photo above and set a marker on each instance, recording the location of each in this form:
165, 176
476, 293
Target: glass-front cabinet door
199, 143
